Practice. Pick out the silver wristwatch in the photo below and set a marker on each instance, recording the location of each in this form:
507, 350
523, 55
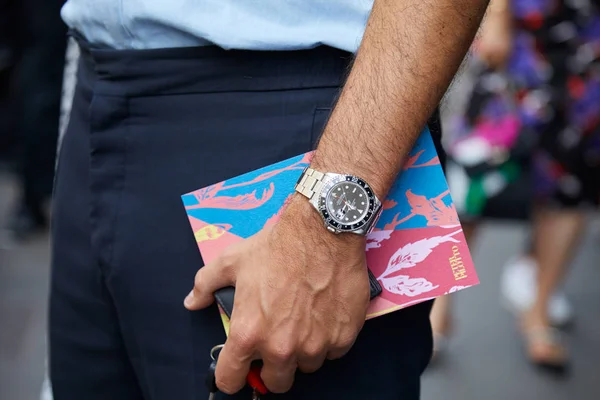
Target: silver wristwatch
346, 203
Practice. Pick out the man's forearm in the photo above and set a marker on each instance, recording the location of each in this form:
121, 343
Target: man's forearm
409, 54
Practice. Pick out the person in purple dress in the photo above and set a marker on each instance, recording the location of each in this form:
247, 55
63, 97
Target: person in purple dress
556, 66
540, 62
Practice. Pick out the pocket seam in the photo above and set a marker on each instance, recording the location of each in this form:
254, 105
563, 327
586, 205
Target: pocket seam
318, 110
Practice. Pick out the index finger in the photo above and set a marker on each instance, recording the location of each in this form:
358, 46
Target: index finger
233, 364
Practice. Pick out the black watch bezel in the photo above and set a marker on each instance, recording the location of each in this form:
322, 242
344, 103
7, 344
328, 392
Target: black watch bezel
330, 221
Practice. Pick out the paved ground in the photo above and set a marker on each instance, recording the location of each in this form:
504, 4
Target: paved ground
484, 362
23, 293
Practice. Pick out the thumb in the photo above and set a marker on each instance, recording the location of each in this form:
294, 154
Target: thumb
213, 276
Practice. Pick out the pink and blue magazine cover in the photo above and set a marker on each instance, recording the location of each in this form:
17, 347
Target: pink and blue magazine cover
417, 250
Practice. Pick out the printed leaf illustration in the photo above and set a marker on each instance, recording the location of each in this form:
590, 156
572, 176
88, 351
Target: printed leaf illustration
395, 222
376, 237
207, 197
211, 232
434, 210
387, 204
412, 161
413, 253
456, 289
407, 286
242, 202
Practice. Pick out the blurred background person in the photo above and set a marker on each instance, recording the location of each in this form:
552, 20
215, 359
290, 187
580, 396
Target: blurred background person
479, 130
556, 67
36, 38
553, 87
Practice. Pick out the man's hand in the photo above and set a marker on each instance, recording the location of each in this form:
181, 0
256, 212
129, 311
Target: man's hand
301, 297
301, 292
494, 45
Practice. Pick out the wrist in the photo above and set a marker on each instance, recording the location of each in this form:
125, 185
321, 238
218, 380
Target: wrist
379, 182
306, 224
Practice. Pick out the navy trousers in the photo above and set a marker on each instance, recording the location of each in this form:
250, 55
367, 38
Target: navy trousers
147, 126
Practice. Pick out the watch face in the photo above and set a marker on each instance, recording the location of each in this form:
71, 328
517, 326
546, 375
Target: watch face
347, 204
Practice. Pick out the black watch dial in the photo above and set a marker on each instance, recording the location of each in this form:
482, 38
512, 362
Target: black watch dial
348, 204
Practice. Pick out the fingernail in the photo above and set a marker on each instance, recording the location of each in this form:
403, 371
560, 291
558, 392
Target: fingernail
189, 300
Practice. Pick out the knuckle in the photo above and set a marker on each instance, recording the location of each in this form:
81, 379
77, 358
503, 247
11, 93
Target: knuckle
345, 341
313, 351
280, 353
229, 257
244, 339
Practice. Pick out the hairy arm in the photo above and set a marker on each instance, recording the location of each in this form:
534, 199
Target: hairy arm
302, 293
409, 54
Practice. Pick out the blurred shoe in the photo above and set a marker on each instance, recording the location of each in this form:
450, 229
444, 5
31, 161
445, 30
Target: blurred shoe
518, 287
25, 221
545, 349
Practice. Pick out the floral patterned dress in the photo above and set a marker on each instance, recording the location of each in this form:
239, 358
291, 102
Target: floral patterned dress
542, 114
556, 68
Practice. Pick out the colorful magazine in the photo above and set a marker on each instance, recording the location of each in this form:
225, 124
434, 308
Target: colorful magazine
417, 250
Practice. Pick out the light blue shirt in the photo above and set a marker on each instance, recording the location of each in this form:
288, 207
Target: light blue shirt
231, 24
